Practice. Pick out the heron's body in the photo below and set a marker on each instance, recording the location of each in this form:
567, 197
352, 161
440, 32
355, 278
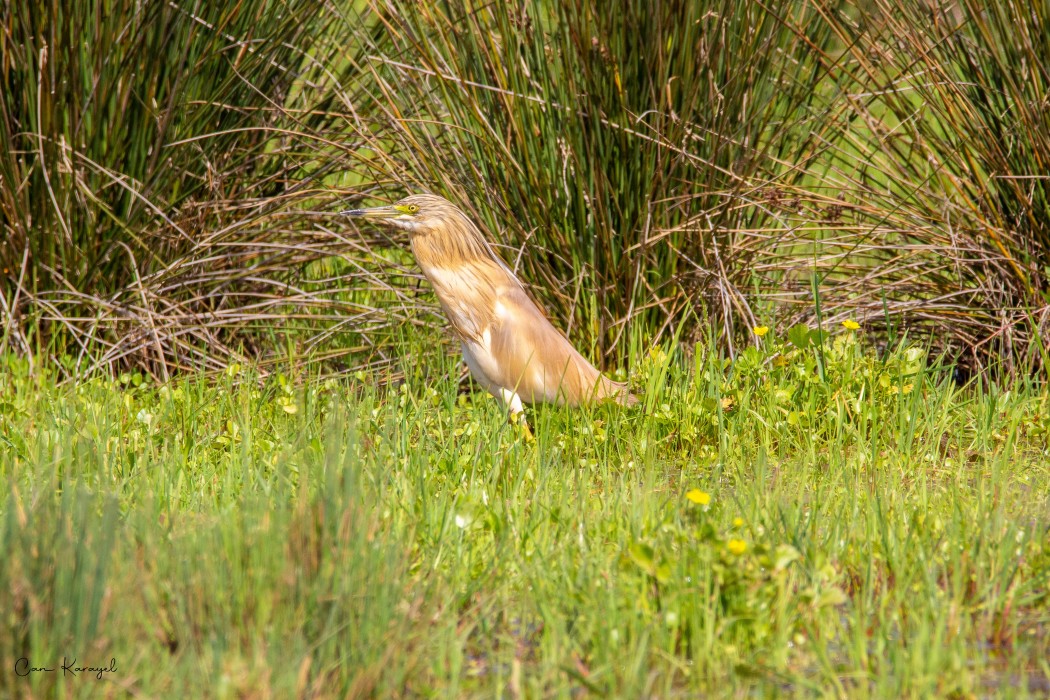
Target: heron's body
511, 348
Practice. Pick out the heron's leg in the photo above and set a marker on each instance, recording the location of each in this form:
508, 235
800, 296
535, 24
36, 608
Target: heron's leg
512, 402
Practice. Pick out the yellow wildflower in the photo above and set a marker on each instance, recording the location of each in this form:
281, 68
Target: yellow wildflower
850, 325
737, 547
701, 498
738, 522
760, 330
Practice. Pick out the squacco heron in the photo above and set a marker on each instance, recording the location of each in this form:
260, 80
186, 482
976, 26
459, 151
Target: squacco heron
510, 346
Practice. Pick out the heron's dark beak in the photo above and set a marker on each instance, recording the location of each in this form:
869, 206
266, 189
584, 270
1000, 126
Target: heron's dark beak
376, 213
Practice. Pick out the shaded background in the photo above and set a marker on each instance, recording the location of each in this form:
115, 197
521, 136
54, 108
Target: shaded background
688, 169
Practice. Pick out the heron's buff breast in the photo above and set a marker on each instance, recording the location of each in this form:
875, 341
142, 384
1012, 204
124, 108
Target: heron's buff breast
470, 288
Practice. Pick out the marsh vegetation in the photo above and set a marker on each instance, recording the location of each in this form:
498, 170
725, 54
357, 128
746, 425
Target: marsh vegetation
240, 456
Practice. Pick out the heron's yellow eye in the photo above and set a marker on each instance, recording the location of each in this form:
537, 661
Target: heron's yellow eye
412, 208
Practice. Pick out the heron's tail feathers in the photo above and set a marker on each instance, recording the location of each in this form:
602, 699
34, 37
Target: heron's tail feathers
615, 391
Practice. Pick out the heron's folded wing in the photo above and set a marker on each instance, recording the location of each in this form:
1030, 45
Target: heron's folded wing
535, 359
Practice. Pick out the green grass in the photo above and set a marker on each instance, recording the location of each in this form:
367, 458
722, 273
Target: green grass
751, 530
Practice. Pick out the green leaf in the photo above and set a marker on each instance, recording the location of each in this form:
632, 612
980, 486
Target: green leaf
784, 555
830, 597
644, 557
799, 336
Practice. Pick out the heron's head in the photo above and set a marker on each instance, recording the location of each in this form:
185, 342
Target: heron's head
442, 235
417, 214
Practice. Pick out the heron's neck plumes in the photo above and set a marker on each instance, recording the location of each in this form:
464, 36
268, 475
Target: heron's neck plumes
456, 241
